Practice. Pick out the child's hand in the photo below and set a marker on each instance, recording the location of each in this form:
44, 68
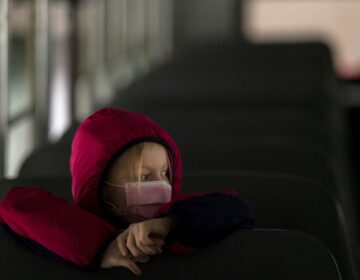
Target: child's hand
113, 258
144, 238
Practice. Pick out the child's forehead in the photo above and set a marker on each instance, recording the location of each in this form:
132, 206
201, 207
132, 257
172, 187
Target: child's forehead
149, 153
149, 146
154, 154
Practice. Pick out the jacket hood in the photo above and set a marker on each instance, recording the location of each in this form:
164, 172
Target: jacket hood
102, 138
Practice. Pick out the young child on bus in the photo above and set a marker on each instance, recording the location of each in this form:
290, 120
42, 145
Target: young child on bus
126, 180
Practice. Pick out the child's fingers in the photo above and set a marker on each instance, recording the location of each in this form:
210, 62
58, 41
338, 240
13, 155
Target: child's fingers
121, 243
157, 242
157, 249
131, 265
131, 245
144, 242
139, 238
143, 236
147, 250
142, 259
145, 239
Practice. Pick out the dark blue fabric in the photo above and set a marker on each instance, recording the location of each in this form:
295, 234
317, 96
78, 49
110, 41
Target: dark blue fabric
204, 219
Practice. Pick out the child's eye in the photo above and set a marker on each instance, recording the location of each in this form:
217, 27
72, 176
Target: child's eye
164, 173
145, 177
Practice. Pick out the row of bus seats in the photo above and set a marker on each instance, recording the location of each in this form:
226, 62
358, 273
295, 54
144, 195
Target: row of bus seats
266, 115
264, 119
257, 254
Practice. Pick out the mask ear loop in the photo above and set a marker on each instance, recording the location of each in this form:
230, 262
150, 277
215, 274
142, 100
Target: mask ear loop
122, 212
113, 206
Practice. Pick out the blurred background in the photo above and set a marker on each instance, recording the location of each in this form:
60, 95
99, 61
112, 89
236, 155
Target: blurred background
272, 85
61, 60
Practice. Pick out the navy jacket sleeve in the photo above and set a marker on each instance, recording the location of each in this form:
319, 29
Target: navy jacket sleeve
201, 220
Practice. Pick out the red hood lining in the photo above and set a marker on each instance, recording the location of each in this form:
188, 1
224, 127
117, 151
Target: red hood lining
117, 154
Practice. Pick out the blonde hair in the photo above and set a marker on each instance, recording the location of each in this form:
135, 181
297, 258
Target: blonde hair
127, 168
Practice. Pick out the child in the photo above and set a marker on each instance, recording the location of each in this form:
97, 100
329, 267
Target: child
126, 178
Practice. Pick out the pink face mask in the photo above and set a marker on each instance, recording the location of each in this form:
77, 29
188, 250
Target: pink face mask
143, 199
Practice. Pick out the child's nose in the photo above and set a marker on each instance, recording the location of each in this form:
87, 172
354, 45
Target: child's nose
158, 177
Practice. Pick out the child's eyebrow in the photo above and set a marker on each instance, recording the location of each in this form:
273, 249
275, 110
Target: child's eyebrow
146, 168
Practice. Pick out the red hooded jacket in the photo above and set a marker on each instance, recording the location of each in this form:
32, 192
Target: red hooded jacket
78, 232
